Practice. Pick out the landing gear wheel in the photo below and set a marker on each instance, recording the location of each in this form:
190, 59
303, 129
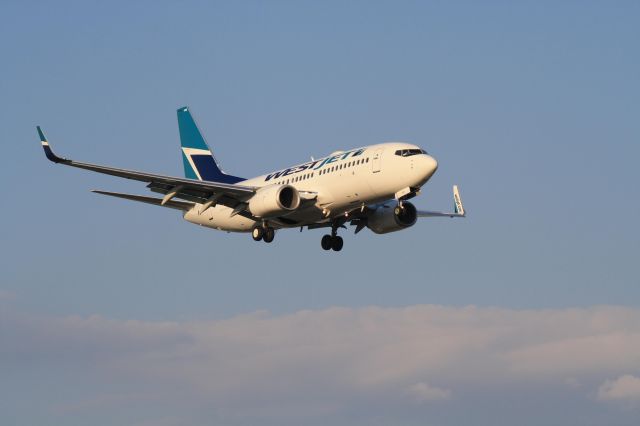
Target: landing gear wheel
257, 233
269, 234
326, 242
337, 243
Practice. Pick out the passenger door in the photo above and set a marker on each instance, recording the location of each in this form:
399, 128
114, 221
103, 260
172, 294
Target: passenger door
376, 160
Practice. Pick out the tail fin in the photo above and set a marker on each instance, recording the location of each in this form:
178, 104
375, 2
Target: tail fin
199, 162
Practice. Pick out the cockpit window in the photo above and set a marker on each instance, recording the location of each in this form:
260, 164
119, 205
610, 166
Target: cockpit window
410, 152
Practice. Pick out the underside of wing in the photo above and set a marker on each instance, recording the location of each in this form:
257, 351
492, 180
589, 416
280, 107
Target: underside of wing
427, 213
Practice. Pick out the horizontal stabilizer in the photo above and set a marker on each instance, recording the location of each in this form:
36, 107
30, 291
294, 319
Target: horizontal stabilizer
178, 205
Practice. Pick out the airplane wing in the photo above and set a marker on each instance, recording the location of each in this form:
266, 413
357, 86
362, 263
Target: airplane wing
458, 208
205, 192
359, 217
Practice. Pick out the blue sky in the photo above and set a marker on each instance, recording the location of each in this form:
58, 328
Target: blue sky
532, 108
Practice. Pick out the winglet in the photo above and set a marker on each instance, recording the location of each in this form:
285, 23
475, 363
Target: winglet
457, 207
457, 201
47, 149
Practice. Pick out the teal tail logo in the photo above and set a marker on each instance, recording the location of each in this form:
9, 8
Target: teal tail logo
198, 161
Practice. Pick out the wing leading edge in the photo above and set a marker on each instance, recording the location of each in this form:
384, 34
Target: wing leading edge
230, 195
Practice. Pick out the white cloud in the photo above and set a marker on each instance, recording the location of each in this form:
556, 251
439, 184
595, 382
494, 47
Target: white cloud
624, 388
318, 361
423, 392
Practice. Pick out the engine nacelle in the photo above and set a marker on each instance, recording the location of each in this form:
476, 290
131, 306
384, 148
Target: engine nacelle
384, 220
274, 200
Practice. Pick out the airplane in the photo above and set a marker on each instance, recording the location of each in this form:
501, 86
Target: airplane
365, 187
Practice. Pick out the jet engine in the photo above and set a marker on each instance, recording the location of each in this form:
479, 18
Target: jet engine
386, 219
274, 200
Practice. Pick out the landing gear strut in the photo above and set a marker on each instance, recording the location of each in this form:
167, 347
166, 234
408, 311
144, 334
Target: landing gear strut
399, 208
264, 233
333, 241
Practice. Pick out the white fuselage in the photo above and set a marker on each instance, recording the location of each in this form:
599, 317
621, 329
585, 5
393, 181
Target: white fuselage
339, 183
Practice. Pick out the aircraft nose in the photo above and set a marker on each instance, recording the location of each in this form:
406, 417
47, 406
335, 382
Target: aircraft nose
431, 165
427, 166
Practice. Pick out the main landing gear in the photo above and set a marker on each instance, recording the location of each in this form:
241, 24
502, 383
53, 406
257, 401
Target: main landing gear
333, 241
264, 233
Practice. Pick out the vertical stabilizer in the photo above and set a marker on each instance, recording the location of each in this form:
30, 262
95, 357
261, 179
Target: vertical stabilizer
199, 162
